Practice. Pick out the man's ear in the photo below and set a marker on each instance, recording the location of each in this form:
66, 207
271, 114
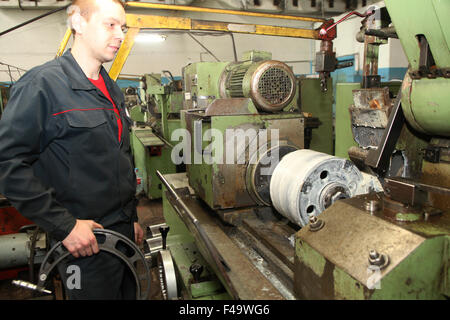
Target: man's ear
78, 22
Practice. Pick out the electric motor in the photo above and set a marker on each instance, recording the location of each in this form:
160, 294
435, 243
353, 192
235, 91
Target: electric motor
270, 84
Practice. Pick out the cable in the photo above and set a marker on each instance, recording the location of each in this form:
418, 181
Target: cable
234, 47
203, 46
32, 20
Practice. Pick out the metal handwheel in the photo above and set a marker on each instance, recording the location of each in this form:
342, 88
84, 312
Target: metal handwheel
167, 275
111, 239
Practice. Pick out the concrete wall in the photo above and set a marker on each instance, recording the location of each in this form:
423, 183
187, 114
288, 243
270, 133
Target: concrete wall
38, 42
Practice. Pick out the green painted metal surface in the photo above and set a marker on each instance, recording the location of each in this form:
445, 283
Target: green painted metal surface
346, 287
310, 257
343, 127
150, 152
254, 55
409, 217
426, 105
137, 115
201, 81
320, 105
425, 102
184, 254
178, 233
209, 178
147, 160
423, 275
418, 17
419, 276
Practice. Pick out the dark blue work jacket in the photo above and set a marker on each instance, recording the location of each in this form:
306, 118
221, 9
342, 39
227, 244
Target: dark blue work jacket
60, 158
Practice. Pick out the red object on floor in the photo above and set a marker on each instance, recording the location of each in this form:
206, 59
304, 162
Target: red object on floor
11, 221
11, 273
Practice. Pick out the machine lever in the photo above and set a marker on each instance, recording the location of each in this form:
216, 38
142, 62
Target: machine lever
164, 231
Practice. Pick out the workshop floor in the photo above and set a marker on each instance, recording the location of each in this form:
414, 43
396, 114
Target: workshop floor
149, 213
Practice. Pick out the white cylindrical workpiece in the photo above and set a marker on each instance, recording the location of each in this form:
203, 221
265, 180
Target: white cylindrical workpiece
306, 182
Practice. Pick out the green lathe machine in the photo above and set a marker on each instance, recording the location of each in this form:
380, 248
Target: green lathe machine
256, 98
270, 216
156, 119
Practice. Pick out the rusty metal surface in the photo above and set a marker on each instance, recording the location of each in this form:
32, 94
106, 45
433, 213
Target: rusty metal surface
404, 191
438, 173
369, 115
358, 156
274, 237
235, 106
350, 233
247, 280
379, 158
264, 259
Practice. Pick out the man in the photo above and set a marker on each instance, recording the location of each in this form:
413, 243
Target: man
65, 158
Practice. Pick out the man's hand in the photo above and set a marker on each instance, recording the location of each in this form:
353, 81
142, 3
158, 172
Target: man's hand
138, 233
81, 240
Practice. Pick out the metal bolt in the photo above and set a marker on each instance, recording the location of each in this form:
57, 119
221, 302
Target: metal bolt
43, 277
372, 205
373, 254
315, 224
377, 259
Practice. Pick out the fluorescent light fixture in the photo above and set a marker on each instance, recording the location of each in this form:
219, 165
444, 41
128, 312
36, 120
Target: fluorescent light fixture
149, 38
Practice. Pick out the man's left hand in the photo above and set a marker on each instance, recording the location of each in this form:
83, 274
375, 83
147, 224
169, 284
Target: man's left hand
138, 233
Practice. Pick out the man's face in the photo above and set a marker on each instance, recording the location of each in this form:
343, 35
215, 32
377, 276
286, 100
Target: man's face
102, 34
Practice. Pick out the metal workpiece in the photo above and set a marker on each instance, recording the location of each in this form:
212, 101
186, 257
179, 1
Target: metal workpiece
30, 286
369, 115
306, 182
15, 249
270, 84
368, 255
